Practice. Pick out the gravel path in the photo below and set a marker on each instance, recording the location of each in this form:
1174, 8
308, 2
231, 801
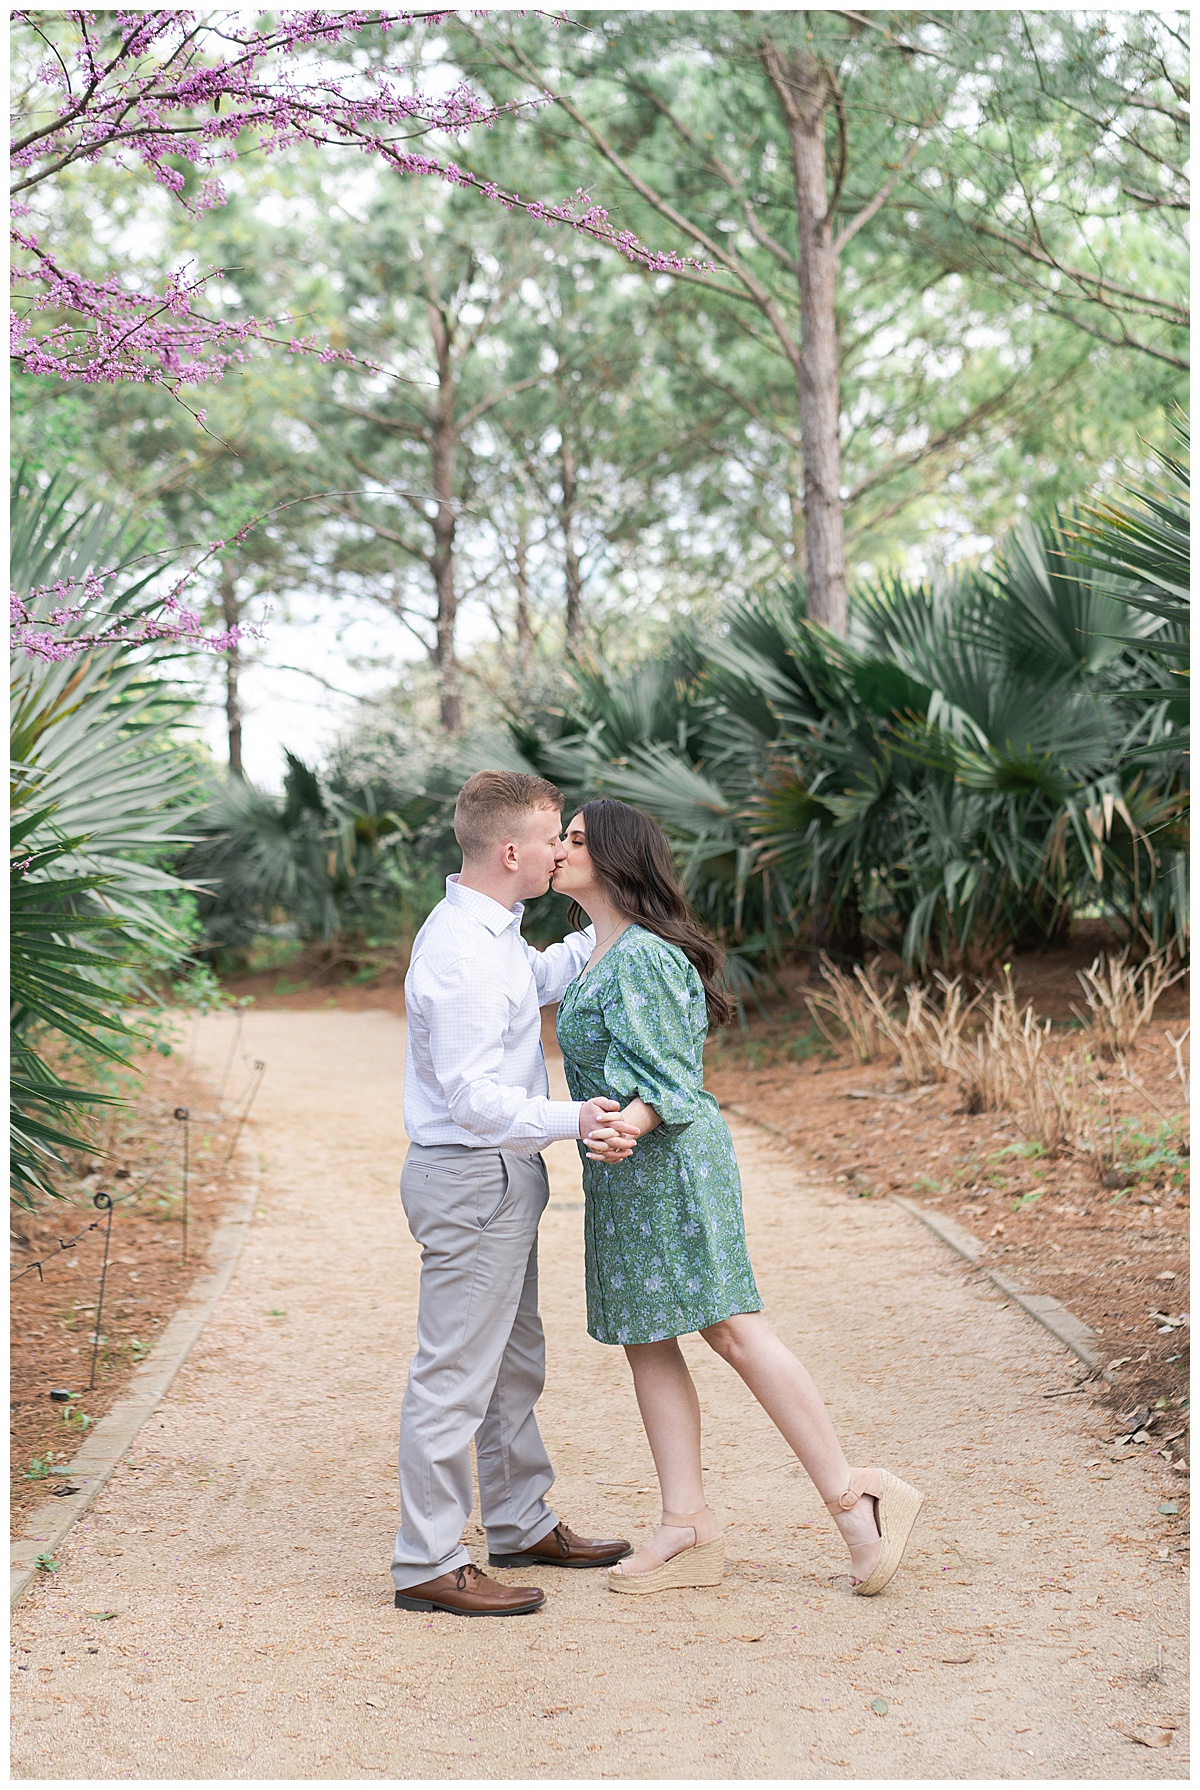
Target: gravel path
244, 1548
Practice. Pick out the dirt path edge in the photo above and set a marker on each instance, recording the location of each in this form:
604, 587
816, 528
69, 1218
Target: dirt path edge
49, 1523
1062, 1324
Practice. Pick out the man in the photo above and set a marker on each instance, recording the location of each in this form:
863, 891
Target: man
474, 1186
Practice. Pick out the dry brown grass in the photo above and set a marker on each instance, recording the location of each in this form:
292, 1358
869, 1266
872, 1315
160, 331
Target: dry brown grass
1004, 1058
1011, 1066
1181, 1067
932, 1036
986, 1064
860, 1006
1121, 997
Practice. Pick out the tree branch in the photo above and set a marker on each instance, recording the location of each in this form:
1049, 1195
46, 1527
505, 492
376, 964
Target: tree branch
485, 404
883, 195
1124, 341
732, 263
761, 236
1174, 313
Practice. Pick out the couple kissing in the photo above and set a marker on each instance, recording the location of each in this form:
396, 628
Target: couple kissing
665, 1246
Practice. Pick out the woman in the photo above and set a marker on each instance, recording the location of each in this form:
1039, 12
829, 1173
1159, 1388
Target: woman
665, 1247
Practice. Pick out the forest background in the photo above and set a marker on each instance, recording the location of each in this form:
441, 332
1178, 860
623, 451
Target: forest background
784, 541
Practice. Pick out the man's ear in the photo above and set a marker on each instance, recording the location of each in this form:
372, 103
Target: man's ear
509, 859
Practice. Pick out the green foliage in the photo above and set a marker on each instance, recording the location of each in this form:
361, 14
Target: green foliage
323, 859
977, 761
1146, 1152
1012, 293
98, 796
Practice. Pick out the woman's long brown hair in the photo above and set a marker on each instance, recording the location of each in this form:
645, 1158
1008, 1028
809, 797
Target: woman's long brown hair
632, 859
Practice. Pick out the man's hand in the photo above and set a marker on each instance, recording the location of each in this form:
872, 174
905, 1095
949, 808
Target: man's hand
608, 1139
595, 1112
617, 1136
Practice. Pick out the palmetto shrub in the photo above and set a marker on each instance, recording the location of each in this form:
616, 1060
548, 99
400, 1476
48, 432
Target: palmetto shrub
981, 759
99, 795
329, 859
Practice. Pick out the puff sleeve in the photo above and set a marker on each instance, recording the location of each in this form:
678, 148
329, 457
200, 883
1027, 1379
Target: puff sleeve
656, 1032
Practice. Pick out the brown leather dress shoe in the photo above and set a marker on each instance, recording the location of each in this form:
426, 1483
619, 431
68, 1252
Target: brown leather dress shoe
465, 1591
562, 1547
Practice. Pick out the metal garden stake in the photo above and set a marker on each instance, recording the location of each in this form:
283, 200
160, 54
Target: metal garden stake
102, 1203
181, 1113
260, 1069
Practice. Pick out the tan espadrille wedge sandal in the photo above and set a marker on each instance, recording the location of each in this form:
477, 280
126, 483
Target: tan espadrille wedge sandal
695, 1563
897, 1506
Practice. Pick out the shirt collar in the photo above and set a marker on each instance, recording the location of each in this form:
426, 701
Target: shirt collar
491, 914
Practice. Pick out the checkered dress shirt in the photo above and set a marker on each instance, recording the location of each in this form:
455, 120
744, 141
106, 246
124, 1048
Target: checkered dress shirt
475, 1072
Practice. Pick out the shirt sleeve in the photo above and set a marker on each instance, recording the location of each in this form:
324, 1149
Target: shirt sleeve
467, 1014
653, 1052
558, 965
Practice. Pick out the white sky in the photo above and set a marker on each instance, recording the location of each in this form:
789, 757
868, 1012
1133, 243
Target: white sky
356, 648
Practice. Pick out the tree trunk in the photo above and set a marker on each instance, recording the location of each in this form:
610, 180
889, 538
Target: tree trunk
442, 446
574, 579
524, 628
233, 708
805, 92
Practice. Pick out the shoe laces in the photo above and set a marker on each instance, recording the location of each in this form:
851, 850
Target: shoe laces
460, 1576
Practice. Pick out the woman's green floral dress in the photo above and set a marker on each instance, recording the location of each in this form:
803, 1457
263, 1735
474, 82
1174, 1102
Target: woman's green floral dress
665, 1248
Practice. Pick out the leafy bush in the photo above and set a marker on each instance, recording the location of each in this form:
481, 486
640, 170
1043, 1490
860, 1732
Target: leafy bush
981, 759
99, 796
319, 862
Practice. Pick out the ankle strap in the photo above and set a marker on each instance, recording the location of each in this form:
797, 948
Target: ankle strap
684, 1519
864, 1482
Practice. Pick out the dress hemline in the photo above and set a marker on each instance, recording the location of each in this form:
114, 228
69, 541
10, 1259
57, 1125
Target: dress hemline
706, 1323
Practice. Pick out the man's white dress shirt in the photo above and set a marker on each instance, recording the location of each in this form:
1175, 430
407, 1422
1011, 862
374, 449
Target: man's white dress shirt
475, 1072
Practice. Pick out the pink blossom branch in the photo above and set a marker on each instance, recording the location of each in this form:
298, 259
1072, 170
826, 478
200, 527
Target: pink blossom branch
41, 637
151, 98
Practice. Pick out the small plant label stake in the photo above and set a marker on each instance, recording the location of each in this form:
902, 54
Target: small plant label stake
181, 1114
102, 1203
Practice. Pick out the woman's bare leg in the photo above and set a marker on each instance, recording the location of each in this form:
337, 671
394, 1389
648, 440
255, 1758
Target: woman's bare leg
670, 1411
786, 1391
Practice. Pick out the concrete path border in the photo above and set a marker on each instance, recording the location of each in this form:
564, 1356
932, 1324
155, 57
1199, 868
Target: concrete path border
1062, 1324
50, 1522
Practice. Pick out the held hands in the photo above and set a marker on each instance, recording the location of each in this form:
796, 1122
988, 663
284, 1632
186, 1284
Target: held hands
612, 1139
609, 1139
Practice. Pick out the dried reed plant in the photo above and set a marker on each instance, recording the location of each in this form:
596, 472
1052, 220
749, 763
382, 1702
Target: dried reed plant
930, 1039
985, 1067
1121, 997
1053, 1107
860, 1005
1181, 1067
1011, 1066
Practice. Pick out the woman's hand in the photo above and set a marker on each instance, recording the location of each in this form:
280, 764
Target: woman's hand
616, 1139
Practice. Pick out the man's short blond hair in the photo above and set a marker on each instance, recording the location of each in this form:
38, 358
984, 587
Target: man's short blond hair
490, 802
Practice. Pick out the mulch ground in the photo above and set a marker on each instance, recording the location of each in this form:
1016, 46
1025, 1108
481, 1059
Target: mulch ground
53, 1313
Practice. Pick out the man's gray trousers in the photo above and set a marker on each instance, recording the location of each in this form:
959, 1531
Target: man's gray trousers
480, 1362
